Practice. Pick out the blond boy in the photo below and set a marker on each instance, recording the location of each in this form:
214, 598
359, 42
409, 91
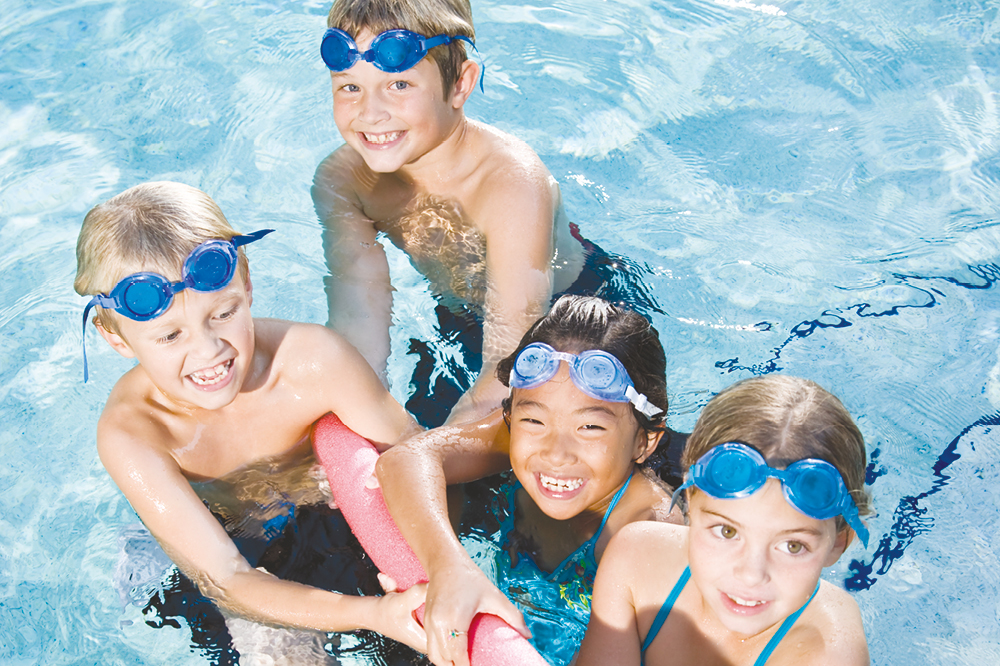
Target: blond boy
216, 391
474, 208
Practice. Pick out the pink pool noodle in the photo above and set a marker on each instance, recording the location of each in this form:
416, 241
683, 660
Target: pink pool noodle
349, 460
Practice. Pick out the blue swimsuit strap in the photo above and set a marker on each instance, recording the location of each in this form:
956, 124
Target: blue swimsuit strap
665, 609
782, 630
590, 543
668, 605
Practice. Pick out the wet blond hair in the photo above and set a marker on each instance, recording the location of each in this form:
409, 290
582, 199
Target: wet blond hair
150, 227
426, 17
786, 419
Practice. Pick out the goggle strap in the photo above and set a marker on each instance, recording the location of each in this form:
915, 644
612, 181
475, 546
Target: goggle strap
249, 238
83, 337
641, 402
677, 493
850, 514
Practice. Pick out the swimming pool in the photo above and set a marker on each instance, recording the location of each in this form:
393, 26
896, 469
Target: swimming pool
813, 187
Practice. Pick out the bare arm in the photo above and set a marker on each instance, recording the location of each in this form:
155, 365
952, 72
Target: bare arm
358, 289
413, 477
613, 634
162, 497
519, 237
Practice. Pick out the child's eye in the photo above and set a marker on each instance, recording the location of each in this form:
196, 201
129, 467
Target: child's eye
593, 426
229, 313
399, 85
724, 531
794, 547
525, 419
168, 338
349, 88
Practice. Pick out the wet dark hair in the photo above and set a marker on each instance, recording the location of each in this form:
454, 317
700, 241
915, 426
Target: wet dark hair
578, 323
786, 419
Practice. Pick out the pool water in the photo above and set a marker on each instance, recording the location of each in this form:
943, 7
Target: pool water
812, 186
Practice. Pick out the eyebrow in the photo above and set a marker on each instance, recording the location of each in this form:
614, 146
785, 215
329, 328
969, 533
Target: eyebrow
797, 530
601, 409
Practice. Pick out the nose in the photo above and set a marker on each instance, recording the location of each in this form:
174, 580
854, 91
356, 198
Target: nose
207, 343
752, 566
557, 450
373, 108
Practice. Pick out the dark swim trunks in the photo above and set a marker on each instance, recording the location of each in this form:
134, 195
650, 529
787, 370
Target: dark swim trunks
312, 545
439, 379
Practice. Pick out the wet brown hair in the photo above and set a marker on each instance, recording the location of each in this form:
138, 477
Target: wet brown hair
786, 419
426, 17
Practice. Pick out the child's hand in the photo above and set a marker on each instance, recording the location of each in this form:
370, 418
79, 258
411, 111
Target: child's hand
397, 612
453, 600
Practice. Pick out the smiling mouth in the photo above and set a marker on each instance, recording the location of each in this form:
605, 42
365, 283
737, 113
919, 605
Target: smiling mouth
746, 603
552, 484
381, 139
212, 375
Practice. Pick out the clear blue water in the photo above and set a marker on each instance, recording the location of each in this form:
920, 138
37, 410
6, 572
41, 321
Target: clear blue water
813, 185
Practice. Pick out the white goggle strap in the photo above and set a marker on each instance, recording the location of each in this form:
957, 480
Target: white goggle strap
640, 402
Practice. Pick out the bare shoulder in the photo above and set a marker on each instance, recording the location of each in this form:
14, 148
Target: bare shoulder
338, 182
644, 537
831, 633
132, 424
293, 346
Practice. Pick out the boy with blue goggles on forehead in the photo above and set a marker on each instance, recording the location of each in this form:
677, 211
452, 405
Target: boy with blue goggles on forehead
474, 209
217, 394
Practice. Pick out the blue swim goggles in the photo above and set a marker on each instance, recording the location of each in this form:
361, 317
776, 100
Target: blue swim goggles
145, 296
595, 372
392, 51
814, 487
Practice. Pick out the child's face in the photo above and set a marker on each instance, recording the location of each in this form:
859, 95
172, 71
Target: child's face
393, 119
757, 560
199, 352
572, 452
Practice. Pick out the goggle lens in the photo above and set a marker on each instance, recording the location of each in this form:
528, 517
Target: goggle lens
211, 266
393, 51
143, 299
597, 372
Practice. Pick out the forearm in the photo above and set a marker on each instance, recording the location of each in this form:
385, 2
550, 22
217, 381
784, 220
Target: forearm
361, 311
414, 487
484, 396
263, 598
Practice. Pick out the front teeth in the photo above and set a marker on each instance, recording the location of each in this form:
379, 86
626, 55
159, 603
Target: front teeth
212, 375
378, 139
744, 602
559, 485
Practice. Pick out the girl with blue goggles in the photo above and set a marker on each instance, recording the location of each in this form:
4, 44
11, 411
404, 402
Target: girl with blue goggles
734, 470
742, 576
595, 372
145, 296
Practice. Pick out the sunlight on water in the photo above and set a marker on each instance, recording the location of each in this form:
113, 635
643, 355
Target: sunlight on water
808, 188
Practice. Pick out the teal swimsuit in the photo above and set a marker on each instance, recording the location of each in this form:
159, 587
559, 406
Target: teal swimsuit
671, 599
556, 606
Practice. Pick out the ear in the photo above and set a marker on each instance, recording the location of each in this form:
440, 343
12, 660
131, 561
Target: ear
116, 341
468, 77
843, 540
646, 443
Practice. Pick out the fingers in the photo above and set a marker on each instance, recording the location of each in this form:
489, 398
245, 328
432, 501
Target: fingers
372, 482
388, 584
